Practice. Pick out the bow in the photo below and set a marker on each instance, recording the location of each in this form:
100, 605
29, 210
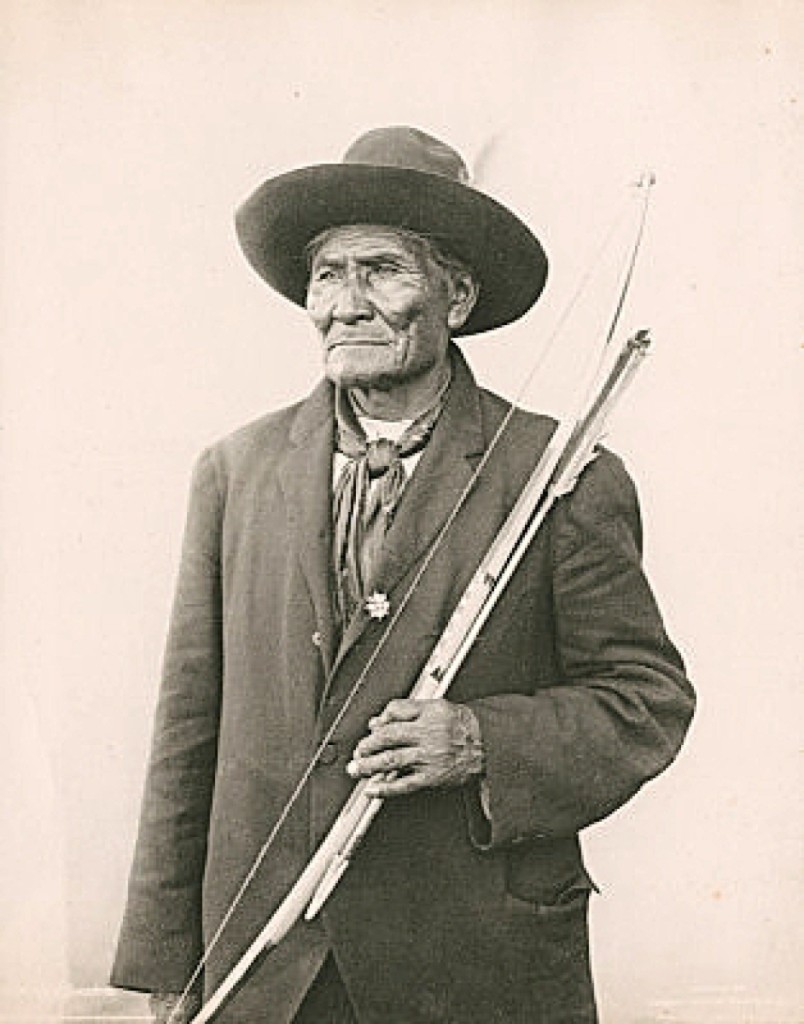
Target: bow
568, 453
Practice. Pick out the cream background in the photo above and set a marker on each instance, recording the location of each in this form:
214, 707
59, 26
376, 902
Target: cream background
134, 333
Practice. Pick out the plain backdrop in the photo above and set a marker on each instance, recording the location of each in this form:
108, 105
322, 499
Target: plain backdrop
134, 333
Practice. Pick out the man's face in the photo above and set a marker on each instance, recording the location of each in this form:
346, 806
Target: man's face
381, 307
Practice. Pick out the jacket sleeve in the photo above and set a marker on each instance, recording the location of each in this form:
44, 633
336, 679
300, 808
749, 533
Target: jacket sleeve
160, 941
574, 751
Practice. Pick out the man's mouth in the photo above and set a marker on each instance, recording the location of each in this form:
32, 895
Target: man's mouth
353, 341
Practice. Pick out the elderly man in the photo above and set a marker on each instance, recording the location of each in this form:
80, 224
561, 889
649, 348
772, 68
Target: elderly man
467, 900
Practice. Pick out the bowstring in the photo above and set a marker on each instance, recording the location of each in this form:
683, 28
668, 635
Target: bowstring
645, 184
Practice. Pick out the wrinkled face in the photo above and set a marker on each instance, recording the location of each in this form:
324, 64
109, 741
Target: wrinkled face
381, 305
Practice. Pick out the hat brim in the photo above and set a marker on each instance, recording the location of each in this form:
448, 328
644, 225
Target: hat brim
284, 214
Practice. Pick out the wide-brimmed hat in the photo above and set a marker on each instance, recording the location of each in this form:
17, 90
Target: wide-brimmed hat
397, 177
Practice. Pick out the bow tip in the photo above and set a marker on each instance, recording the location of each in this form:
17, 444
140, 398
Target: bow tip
646, 180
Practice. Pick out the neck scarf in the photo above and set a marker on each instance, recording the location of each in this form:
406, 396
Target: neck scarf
362, 508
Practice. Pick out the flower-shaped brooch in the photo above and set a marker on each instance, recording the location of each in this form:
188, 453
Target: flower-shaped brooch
377, 605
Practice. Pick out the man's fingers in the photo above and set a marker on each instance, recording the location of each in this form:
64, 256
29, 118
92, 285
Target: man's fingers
399, 710
397, 734
394, 760
384, 788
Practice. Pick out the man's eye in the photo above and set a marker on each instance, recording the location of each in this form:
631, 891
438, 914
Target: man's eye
384, 269
324, 275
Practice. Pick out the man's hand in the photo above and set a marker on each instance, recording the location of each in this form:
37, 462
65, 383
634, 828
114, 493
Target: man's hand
427, 743
170, 1008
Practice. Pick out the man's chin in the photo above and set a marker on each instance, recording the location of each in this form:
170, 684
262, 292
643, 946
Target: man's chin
361, 369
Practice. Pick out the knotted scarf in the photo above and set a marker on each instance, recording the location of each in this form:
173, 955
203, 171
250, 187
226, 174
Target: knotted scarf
362, 508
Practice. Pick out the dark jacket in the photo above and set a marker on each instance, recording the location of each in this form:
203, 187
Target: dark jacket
443, 916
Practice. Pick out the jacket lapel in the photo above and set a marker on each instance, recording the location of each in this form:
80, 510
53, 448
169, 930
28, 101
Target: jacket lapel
306, 480
435, 488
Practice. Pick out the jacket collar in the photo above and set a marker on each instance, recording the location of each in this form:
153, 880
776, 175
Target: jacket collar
437, 485
305, 477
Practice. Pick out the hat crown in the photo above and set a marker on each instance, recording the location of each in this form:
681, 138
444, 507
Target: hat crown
408, 148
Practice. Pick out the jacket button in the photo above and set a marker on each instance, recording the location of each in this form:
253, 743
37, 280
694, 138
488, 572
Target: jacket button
329, 755
316, 638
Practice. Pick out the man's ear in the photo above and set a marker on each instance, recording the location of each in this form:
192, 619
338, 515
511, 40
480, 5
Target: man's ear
463, 296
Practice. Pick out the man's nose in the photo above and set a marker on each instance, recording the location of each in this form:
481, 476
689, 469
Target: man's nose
350, 302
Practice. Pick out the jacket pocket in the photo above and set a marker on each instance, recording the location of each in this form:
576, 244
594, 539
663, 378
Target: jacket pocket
548, 874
